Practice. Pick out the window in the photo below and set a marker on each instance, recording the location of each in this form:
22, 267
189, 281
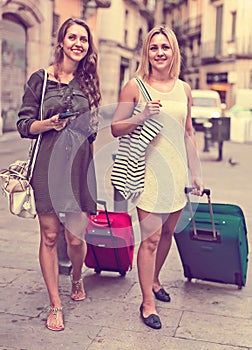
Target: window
233, 25
197, 83
250, 80
204, 102
218, 30
14, 62
126, 19
124, 72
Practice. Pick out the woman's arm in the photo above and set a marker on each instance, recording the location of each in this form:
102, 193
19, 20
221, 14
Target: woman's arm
191, 146
123, 121
28, 123
40, 126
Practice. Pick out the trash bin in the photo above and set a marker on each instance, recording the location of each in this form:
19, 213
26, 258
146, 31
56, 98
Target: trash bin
220, 132
207, 127
220, 129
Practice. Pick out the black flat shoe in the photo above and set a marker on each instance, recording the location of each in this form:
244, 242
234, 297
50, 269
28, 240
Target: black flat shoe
152, 320
162, 295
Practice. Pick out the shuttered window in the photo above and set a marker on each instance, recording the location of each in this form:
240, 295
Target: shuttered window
13, 71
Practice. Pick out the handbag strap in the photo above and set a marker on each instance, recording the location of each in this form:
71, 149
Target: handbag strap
37, 144
143, 89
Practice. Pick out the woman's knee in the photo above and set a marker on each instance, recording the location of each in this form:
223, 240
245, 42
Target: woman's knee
49, 230
151, 242
49, 237
73, 241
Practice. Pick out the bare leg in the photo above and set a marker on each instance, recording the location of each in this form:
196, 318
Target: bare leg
164, 246
76, 248
150, 225
48, 257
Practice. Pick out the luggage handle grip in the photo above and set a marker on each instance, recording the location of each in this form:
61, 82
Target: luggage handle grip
104, 204
100, 222
190, 189
206, 191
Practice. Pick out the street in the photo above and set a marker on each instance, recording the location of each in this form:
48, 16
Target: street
202, 315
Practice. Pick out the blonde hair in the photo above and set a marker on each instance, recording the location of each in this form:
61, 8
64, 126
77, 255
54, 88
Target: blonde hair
144, 68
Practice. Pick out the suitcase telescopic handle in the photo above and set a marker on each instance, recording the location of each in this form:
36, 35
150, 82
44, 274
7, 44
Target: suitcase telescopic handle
206, 191
104, 204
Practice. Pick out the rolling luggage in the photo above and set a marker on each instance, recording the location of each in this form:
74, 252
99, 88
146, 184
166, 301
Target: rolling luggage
110, 241
212, 242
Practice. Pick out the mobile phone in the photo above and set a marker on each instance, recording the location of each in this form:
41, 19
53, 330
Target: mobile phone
64, 115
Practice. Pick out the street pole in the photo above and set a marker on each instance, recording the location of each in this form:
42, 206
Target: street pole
1, 26
2, 4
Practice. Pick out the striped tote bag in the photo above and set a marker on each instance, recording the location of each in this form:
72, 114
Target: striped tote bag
128, 171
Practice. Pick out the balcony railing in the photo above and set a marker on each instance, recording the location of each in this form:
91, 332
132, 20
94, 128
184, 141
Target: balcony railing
168, 4
241, 47
148, 5
192, 26
193, 61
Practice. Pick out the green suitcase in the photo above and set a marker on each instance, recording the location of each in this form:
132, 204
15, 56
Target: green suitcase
212, 242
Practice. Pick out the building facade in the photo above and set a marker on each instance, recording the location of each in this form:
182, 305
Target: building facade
28, 35
216, 46
120, 34
215, 37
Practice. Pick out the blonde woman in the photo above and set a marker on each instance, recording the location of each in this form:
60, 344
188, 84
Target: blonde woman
167, 158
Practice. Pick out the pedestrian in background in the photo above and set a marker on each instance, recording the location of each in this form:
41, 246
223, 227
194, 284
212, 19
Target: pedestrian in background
167, 158
64, 176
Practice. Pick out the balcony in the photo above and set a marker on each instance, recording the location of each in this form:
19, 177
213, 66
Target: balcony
133, 2
169, 4
143, 5
192, 26
96, 3
193, 62
227, 51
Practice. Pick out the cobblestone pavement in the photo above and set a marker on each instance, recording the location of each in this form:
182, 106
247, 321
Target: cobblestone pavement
202, 315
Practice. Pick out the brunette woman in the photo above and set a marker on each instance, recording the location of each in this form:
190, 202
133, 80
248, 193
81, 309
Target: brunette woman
64, 175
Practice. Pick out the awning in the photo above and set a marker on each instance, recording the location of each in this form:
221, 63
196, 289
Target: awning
219, 87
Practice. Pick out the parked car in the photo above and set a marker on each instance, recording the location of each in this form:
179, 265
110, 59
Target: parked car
206, 105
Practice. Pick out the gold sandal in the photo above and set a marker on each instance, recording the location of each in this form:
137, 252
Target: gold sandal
54, 315
77, 293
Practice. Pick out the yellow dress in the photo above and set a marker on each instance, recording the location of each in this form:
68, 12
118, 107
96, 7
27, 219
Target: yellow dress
166, 173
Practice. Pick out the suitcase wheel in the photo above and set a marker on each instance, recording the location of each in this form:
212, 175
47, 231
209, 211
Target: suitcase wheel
238, 280
122, 273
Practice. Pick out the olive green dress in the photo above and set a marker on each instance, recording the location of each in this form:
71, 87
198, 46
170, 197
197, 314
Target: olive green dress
64, 175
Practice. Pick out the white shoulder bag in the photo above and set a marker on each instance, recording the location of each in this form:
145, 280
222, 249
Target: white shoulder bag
16, 178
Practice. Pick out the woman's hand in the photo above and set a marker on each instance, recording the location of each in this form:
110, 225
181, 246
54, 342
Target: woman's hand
197, 186
56, 123
151, 108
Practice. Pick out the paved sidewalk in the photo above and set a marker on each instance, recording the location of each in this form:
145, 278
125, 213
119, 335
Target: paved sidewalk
201, 315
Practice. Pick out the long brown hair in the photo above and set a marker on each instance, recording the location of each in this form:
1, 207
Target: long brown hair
86, 72
144, 68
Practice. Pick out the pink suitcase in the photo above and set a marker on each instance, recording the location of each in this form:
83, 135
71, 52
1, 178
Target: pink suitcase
110, 241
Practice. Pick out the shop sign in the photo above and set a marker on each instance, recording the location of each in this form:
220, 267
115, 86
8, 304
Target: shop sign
217, 78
